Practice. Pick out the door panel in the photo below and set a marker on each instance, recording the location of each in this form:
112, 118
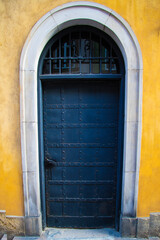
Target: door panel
80, 136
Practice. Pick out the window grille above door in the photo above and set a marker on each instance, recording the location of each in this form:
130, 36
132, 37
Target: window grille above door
81, 50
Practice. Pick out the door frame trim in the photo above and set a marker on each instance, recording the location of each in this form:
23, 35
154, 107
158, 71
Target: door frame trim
67, 15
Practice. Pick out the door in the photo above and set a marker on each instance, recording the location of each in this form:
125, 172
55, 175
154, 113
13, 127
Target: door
80, 122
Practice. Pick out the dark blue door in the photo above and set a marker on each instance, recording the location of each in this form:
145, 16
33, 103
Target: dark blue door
80, 146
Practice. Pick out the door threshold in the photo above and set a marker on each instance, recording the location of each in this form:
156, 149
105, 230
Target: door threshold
80, 234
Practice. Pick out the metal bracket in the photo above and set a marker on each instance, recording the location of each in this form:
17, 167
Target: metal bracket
49, 163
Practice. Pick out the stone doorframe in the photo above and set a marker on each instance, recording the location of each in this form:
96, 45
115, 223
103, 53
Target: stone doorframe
105, 19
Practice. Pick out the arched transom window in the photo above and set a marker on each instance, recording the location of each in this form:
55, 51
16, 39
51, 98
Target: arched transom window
81, 50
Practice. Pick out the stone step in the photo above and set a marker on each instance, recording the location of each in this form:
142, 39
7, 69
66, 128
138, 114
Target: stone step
78, 234
85, 234
80, 238
154, 238
4, 237
26, 238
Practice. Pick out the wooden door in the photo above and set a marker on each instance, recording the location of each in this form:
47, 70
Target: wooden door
80, 148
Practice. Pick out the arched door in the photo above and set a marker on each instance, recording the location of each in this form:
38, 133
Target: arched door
81, 74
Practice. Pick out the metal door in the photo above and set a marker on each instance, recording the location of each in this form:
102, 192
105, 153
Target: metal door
80, 151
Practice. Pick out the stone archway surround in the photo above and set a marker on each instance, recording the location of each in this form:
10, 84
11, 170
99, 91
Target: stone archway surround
71, 14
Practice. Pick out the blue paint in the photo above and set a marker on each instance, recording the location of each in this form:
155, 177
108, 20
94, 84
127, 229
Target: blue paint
80, 135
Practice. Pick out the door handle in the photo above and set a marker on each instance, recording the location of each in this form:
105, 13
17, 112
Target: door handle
49, 163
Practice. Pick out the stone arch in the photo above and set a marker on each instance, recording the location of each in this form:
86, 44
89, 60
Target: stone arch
67, 15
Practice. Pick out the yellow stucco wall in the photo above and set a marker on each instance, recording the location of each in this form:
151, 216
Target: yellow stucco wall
17, 19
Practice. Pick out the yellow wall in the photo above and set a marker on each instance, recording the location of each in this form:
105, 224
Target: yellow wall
17, 19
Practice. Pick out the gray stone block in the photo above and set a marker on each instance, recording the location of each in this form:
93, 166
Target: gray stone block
142, 227
128, 227
33, 226
154, 225
15, 225
3, 227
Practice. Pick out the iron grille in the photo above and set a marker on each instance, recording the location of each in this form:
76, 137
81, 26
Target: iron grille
78, 51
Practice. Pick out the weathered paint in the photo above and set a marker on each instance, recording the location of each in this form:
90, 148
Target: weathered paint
17, 19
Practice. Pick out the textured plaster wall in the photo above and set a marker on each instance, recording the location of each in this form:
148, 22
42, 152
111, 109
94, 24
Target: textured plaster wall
17, 19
